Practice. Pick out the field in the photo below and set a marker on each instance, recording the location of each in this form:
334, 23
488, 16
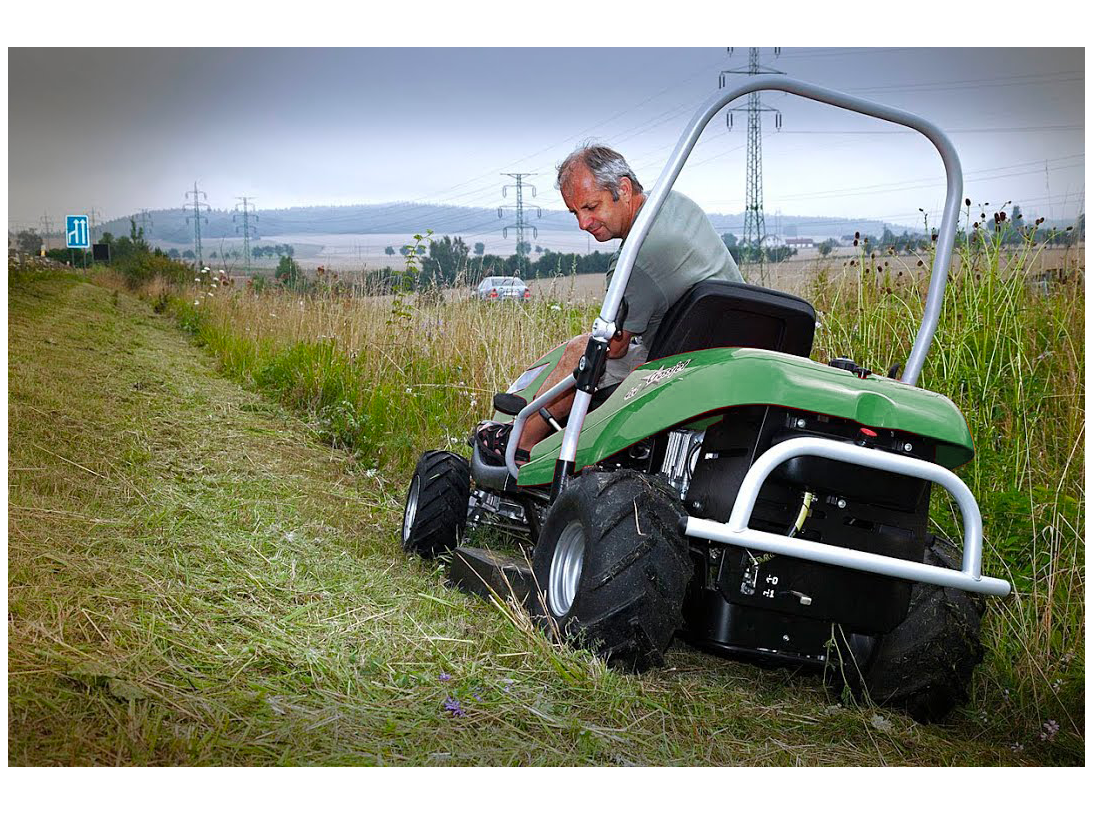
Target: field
205, 567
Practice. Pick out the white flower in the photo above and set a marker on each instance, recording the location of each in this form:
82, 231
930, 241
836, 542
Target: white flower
371, 473
556, 307
214, 285
205, 268
197, 279
196, 302
408, 390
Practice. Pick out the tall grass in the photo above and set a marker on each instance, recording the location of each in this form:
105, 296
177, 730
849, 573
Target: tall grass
389, 376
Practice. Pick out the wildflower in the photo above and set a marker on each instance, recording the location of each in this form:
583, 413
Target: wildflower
452, 705
197, 279
371, 473
507, 684
476, 693
197, 302
556, 307
411, 392
445, 676
1049, 730
1017, 747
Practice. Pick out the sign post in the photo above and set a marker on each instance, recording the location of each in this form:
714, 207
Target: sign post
77, 235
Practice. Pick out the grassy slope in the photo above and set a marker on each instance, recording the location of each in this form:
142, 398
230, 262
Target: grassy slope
193, 580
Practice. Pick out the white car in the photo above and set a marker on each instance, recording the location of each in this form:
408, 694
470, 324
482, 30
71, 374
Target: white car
503, 288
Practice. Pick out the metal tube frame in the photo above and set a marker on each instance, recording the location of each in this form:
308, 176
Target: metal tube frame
518, 423
604, 325
736, 532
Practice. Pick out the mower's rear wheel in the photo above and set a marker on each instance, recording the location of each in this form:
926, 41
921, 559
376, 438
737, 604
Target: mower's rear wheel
925, 664
436, 504
612, 567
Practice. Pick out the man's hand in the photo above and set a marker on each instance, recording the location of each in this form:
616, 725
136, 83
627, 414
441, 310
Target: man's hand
617, 345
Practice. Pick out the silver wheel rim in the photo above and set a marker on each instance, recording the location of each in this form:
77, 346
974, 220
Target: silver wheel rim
411, 507
566, 562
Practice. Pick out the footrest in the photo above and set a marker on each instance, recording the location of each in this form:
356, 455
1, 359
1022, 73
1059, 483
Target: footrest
484, 573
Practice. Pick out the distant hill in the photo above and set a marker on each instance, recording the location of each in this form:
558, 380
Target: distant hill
170, 225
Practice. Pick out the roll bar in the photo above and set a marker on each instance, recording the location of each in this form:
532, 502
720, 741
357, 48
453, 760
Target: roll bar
604, 325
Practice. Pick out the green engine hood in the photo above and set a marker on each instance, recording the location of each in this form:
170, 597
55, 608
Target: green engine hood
671, 391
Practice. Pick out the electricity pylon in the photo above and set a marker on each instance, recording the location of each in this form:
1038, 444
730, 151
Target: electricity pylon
247, 214
520, 225
47, 228
754, 231
146, 224
197, 216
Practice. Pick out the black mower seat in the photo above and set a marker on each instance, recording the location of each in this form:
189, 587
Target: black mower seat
721, 314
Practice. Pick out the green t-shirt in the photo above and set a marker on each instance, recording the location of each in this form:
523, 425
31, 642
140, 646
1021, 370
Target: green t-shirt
680, 250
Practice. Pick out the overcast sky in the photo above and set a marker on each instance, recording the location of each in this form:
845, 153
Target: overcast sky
119, 130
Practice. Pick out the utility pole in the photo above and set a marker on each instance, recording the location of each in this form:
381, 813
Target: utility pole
520, 225
754, 231
247, 214
197, 216
47, 227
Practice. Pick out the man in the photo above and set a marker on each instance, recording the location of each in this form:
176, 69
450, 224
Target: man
680, 250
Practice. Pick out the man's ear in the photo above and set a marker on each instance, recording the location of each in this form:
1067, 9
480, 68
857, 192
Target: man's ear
625, 185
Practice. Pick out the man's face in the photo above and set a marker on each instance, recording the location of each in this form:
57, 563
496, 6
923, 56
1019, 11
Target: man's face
594, 208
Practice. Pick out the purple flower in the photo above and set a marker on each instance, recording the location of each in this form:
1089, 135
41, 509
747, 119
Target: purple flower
445, 677
1050, 729
452, 705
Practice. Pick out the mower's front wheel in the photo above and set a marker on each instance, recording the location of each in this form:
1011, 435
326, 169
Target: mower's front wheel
436, 504
612, 567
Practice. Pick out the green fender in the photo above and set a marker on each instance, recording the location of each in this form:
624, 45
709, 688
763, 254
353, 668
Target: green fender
542, 367
688, 387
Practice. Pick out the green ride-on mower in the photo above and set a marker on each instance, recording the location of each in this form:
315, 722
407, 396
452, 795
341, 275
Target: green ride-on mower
733, 492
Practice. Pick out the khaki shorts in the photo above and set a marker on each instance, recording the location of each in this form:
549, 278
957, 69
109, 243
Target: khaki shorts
618, 369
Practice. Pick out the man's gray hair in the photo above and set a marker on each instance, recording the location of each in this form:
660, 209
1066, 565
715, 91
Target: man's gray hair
607, 166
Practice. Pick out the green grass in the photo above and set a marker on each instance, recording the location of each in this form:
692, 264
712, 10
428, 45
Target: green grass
195, 579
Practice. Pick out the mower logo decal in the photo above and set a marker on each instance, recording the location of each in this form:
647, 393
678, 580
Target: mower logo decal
659, 375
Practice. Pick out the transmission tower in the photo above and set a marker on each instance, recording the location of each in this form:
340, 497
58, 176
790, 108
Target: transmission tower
754, 231
47, 227
247, 215
520, 225
146, 223
197, 216
91, 217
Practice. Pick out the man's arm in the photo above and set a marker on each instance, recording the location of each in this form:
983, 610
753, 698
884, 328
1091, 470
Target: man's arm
617, 345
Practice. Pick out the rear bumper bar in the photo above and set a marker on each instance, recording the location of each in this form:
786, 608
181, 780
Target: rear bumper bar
736, 532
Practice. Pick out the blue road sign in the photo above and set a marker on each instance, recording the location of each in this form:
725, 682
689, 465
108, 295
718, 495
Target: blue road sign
76, 232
